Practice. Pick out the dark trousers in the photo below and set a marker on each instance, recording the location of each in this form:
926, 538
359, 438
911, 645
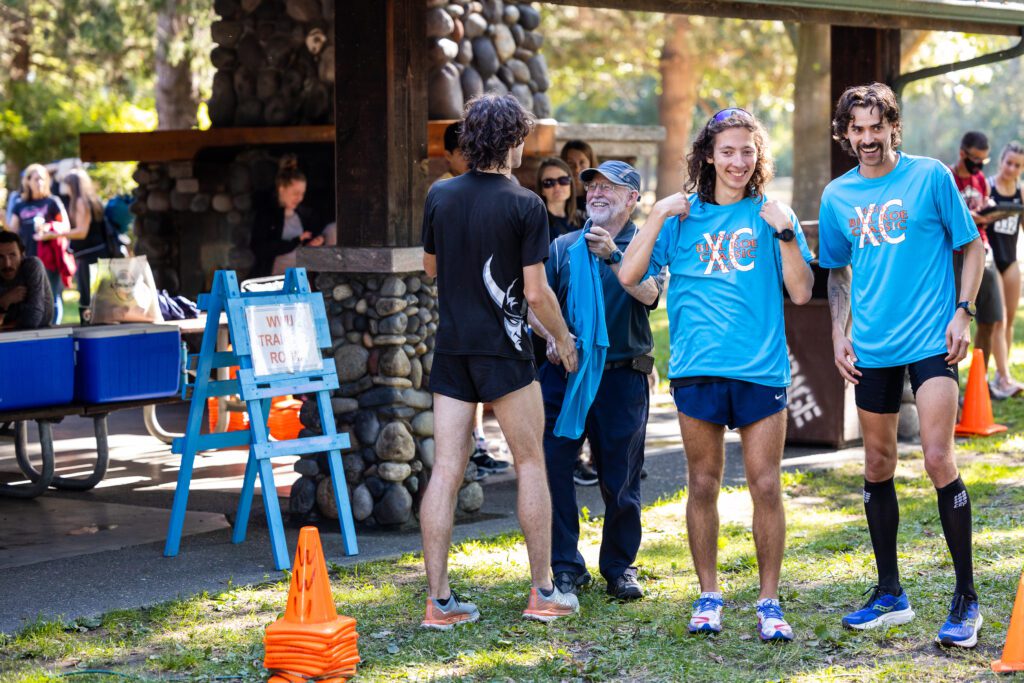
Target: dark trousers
616, 426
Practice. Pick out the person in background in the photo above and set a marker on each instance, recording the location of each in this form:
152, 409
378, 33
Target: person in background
579, 156
88, 227
555, 186
1002, 236
26, 302
452, 154
41, 221
283, 223
990, 335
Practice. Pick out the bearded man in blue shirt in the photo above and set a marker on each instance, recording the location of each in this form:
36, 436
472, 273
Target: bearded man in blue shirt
616, 420
887, 230
729, 250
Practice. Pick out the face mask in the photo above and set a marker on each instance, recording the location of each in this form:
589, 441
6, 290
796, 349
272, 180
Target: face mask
972, 166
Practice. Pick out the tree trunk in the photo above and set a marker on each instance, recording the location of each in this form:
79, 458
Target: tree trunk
15, 63
679, 71
812, 116
177, 94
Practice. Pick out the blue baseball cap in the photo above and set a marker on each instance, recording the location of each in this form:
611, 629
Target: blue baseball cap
619, 172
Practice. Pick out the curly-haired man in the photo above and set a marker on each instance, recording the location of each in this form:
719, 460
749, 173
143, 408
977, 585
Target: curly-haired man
486, 239
894, 219
729, 250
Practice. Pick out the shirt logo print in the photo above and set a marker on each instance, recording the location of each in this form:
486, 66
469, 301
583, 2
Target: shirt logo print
871, 226
722, 249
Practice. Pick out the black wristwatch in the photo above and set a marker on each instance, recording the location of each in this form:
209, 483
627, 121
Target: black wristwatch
786, 235
968, 307
614, 257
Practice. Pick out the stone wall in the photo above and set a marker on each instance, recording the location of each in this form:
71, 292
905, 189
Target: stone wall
481, 46
196, 217
274, 61
383, 327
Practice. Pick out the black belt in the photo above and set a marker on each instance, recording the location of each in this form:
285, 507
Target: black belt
616, 364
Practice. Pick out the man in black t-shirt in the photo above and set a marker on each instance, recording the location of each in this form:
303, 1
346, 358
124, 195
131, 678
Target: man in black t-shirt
486, 238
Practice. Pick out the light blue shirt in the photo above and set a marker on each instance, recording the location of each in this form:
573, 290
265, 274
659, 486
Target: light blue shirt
725, 293
585, 306
898, 233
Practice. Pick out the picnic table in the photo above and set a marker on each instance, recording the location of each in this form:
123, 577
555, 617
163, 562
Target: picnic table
46, 416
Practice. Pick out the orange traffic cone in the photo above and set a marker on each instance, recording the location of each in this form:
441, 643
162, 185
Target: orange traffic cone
977, 414
311, 641
1013, 652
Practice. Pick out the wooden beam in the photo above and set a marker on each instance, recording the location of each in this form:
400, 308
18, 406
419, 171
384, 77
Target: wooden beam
539, 143
177, 145
360, 259
859, 56
898, 14
381, 114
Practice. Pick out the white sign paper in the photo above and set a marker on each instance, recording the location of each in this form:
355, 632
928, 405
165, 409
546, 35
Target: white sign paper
283, 339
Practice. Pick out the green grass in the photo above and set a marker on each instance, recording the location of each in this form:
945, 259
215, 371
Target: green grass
828, 563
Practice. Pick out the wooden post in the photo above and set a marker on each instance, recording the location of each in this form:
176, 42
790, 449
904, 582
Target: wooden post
381, 115
859, 56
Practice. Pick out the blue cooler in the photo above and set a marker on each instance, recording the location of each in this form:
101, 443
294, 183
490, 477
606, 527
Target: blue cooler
129, 362
37, 368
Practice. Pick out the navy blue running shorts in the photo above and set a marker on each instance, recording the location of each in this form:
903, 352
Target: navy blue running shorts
479, 379
880, 390
729, 402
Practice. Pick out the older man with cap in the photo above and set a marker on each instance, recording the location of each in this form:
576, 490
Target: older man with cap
616, 420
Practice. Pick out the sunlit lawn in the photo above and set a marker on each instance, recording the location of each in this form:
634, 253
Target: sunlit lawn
828, 564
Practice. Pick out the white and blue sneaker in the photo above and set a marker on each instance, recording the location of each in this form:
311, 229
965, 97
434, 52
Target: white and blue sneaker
707, 613
881, 609
771, 624
962, 624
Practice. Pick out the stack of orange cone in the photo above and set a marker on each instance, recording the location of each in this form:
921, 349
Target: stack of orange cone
977, 417
311, 641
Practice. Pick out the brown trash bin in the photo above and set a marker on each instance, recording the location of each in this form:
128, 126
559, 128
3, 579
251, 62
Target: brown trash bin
821, 408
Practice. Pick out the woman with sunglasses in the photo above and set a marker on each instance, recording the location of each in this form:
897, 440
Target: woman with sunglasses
555, 186
729, 250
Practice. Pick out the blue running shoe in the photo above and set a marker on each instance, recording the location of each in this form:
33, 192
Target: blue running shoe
881, 609
707, 613
771, 624
962, 625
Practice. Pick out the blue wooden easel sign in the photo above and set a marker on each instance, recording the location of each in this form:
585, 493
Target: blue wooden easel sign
276, 338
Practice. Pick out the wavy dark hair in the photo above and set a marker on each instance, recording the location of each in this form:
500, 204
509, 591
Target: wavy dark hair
570, 203
873, 96
491, 126
701, 172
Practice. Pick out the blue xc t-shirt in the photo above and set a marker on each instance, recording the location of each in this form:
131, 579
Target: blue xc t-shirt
898, 232
725, 293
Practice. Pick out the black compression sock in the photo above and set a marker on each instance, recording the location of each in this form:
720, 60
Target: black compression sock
955, 514
883, 512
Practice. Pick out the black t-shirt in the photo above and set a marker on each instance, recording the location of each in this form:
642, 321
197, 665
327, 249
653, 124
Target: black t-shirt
47, 209
484, 229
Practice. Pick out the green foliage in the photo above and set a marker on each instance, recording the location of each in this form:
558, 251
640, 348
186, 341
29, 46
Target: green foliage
939, 110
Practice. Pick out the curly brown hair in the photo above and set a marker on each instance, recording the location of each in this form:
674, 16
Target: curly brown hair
701, 172
491, 126
873, 96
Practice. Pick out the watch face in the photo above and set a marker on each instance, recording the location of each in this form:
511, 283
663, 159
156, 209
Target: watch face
786, 235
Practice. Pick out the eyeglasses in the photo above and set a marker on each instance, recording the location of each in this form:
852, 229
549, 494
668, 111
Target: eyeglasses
548, 183
603, 188
731, 111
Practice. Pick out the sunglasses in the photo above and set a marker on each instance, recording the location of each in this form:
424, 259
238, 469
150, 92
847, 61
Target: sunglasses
730, 112
548, 183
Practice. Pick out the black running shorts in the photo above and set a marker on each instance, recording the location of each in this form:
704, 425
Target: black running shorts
479, 379
880, 390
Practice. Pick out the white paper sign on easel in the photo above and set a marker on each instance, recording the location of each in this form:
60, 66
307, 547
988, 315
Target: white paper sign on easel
283, 339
